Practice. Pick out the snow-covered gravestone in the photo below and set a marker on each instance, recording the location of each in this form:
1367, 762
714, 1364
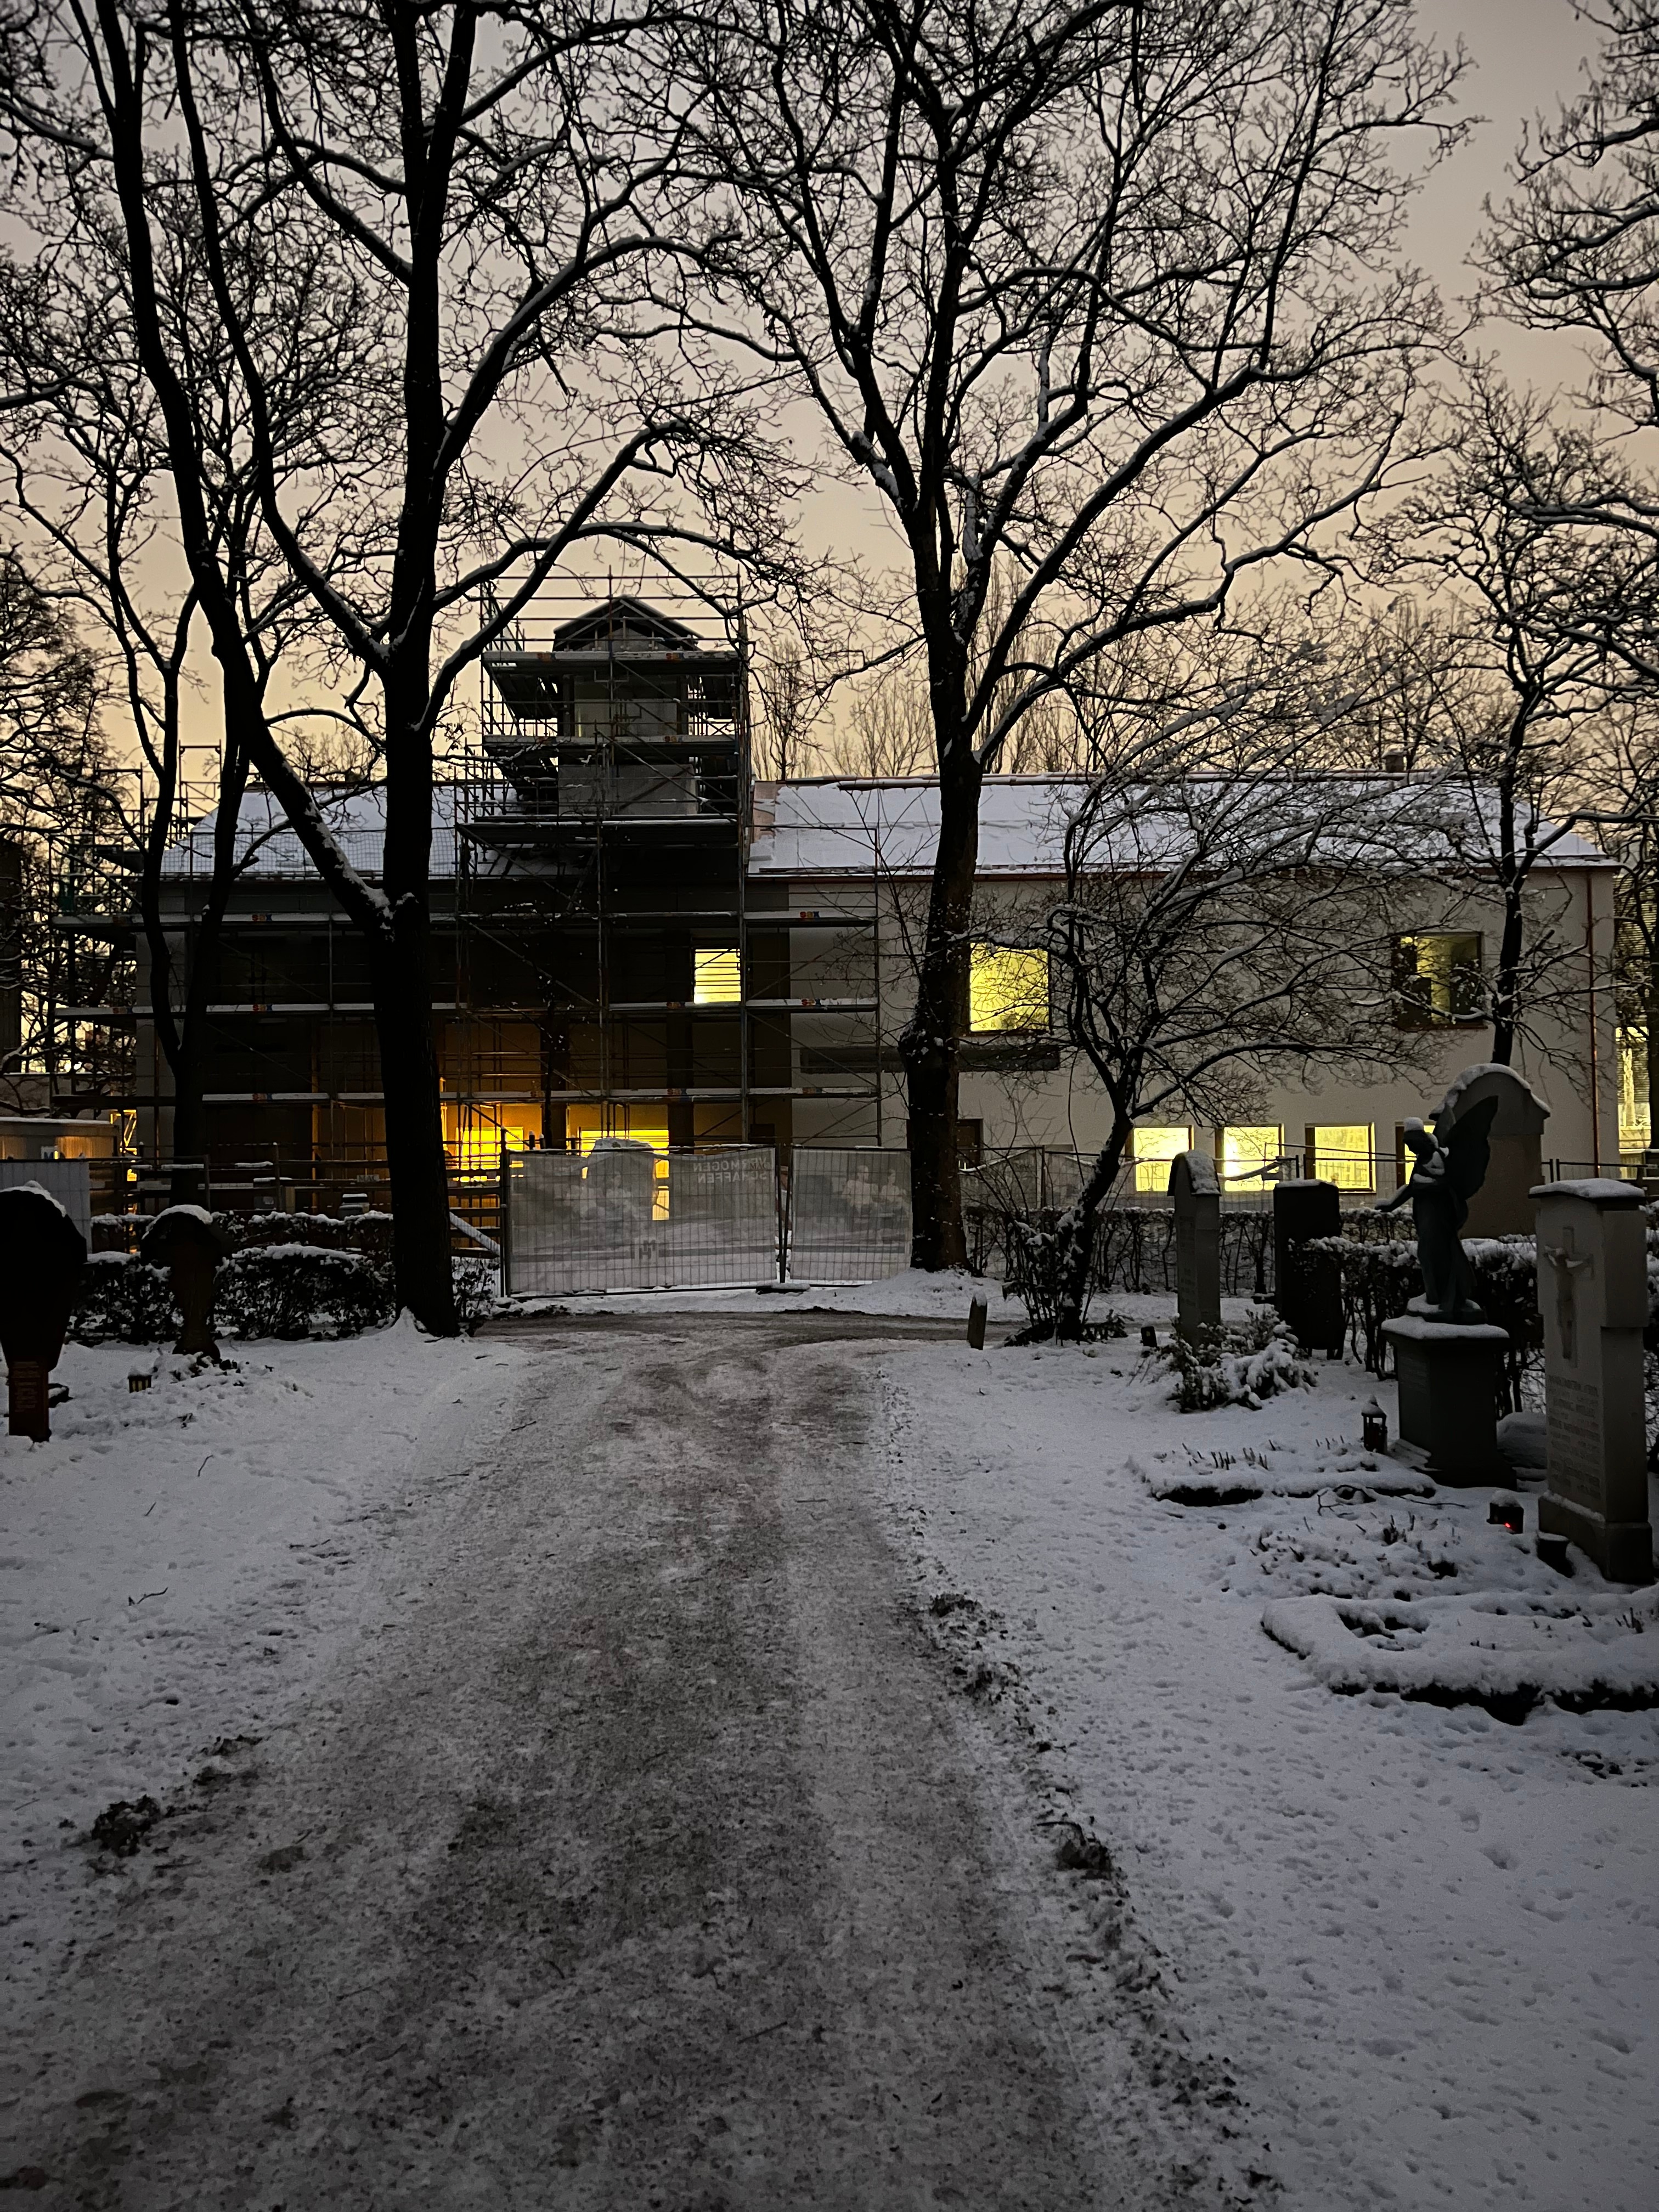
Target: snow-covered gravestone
186, 1240
1593, 1293
1502, 1205
42, 1254
1197, 1195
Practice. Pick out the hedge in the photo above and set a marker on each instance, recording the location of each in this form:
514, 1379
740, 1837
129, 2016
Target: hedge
273, 1288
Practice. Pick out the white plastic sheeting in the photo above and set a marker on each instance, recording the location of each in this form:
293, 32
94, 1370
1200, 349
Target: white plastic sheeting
849, 1215
624, 1218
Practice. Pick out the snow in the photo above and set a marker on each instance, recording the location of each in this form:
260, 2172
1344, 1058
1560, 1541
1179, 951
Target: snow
1376, 1781
39, 1190
1599, 1190
179, 1560
1420, 1330
1448, 1109
1421, 1939
850, 825
1490, 1646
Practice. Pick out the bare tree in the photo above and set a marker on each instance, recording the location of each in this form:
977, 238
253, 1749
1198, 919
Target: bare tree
1530, 600
1575, 247
422, 215
60, 813
790, 705
83, 449
1080, 286
1219, 927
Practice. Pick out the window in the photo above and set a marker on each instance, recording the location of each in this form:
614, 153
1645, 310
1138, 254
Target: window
1340, 1152
1246, 1152
716, 975
1007, 990
1634, 1134
1438, 982
1154, 1149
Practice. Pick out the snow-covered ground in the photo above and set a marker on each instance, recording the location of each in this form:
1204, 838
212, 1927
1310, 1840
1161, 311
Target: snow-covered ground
1409, 1909
179, 1563
1423, 1940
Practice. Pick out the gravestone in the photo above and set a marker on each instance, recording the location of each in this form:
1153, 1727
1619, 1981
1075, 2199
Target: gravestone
1593, 1294
1196, 1191
1503, 1205
1308, 1292
186, 1242
42, 1254
1448, 1375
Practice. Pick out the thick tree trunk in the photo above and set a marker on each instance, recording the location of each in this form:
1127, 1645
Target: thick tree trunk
1077, 1233
401, 969
1507, 983
414, 1127
1652, 1003
930, 1044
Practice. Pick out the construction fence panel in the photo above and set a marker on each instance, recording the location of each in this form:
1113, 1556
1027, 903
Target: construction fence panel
849, 1214
625, 1218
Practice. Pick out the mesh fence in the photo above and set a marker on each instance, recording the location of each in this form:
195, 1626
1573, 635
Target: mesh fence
624, 1218
849, 1215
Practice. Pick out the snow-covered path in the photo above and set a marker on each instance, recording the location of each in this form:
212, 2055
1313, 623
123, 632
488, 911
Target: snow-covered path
639, 1858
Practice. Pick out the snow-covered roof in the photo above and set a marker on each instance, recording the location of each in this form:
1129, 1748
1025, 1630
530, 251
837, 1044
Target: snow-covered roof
268, 848
855, 824
822, 828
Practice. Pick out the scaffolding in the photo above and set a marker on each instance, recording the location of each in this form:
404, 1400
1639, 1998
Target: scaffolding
603, 965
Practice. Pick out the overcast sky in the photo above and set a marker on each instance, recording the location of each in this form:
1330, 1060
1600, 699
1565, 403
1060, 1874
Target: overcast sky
1527, 56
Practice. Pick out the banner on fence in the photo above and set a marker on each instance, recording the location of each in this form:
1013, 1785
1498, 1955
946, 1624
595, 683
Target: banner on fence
849, 1215
625, 1218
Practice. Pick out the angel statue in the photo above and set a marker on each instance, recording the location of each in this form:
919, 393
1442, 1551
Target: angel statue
1444, 1177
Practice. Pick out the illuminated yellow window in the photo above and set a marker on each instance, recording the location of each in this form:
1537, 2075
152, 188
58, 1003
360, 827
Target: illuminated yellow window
1437, 980
716, 975
474, 1134
1154, 1149
1007, 990
1342, 1155
1246, 1152
1635, 1134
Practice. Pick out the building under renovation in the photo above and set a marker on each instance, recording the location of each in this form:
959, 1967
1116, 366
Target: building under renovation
607, 964
634, 939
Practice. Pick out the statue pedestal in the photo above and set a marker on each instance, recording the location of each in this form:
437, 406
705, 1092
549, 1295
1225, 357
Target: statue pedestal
1449, 1374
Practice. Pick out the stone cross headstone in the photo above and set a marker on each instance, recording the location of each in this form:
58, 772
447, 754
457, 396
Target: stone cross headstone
1197, 1194
42, 1254
1308, 1292
1504, 1204
186, 1240
1593, 1294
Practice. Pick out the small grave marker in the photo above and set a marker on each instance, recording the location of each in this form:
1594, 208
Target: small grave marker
1197, 1195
